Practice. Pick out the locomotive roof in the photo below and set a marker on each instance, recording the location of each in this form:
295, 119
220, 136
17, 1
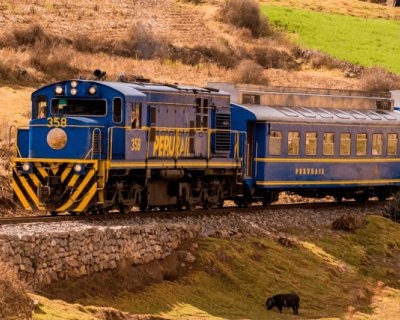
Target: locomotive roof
318, 115
138, 88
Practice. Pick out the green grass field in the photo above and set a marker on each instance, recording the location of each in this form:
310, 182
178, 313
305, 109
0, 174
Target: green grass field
368, 42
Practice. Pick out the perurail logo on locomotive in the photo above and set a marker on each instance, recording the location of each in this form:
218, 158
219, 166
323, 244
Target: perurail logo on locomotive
171, 146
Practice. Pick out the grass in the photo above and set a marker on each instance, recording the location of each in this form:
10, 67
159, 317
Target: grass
368, 42
233, 278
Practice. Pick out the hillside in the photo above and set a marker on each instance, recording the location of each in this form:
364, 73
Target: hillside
338, 275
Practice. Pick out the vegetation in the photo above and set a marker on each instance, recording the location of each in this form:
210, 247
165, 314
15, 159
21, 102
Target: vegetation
233, 278
15, 304
245, 14
344, 37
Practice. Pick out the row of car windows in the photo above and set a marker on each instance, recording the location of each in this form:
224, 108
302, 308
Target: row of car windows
328, 143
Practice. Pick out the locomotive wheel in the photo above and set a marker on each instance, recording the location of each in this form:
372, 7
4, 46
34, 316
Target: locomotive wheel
205, 205
339, 199
54, 213
361, 198
266, 202
124, 209
173, 208
189, 206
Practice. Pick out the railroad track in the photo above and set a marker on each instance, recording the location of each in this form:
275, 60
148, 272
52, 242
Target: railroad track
198, 212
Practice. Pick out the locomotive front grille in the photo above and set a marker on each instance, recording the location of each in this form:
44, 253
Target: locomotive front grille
54, 186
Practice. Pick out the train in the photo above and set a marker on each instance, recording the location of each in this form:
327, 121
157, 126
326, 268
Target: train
95, 146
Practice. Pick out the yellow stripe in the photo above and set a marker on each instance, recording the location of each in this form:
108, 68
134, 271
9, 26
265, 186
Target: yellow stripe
48, 160
30, 192
87, 198
20, 196
65, 174
68, 126
73, 180
332, 160
42, 171
34, 179
276, 183
172, 164
77, 192
54, 168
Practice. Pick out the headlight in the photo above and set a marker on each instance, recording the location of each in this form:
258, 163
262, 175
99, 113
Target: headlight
58, 90
57, 138
92, 90
26, 167
74, 91
78, 168
74, 84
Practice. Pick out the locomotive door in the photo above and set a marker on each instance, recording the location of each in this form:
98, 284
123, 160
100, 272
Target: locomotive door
249, 149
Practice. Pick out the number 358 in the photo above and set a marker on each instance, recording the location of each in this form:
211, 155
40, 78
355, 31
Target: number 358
57, 122
136, 144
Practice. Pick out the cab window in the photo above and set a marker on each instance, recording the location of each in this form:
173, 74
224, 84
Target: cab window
135, 115
293, 143
40, 107
275, 143
117, 110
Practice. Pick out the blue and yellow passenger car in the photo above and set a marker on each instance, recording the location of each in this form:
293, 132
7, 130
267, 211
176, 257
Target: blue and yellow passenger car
317, 152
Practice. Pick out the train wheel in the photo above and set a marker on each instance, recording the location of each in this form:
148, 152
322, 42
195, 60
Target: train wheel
173, 208
339, 199
361, 198
124, 209
54, 213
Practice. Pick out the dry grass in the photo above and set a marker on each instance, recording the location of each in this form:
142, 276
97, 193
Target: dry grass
379, 80
15, 303
249, 72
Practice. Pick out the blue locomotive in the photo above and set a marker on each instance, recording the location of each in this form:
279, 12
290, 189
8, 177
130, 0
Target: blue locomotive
96, 146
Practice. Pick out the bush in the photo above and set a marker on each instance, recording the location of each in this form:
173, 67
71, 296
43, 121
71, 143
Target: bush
392, 209
379, 80
245, 14
347, 223
56, 67
272, 58
249, 72
14, 300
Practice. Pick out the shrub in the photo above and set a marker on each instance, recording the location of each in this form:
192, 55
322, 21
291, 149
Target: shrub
392, 209
272, 58
249, 72
14, 300
375, 79
245, 14
347, 223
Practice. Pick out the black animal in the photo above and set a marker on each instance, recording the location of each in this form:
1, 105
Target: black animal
290, 300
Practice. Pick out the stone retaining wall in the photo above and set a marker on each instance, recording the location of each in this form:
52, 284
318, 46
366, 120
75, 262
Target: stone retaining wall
42, 258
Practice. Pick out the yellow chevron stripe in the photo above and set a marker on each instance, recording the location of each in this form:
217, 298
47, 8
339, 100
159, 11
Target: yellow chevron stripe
73, 180
54, 168
77, 192
65, 173
87, 198
34, 179
42, 171
20, 196
32, 194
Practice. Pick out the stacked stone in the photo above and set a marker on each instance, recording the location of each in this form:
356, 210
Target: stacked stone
42, 258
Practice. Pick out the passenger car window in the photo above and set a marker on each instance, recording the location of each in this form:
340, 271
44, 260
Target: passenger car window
392, 144
345, 144
361, 144
311, 143
117, 110
328, 144
293, 143
377, 142
275, 143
